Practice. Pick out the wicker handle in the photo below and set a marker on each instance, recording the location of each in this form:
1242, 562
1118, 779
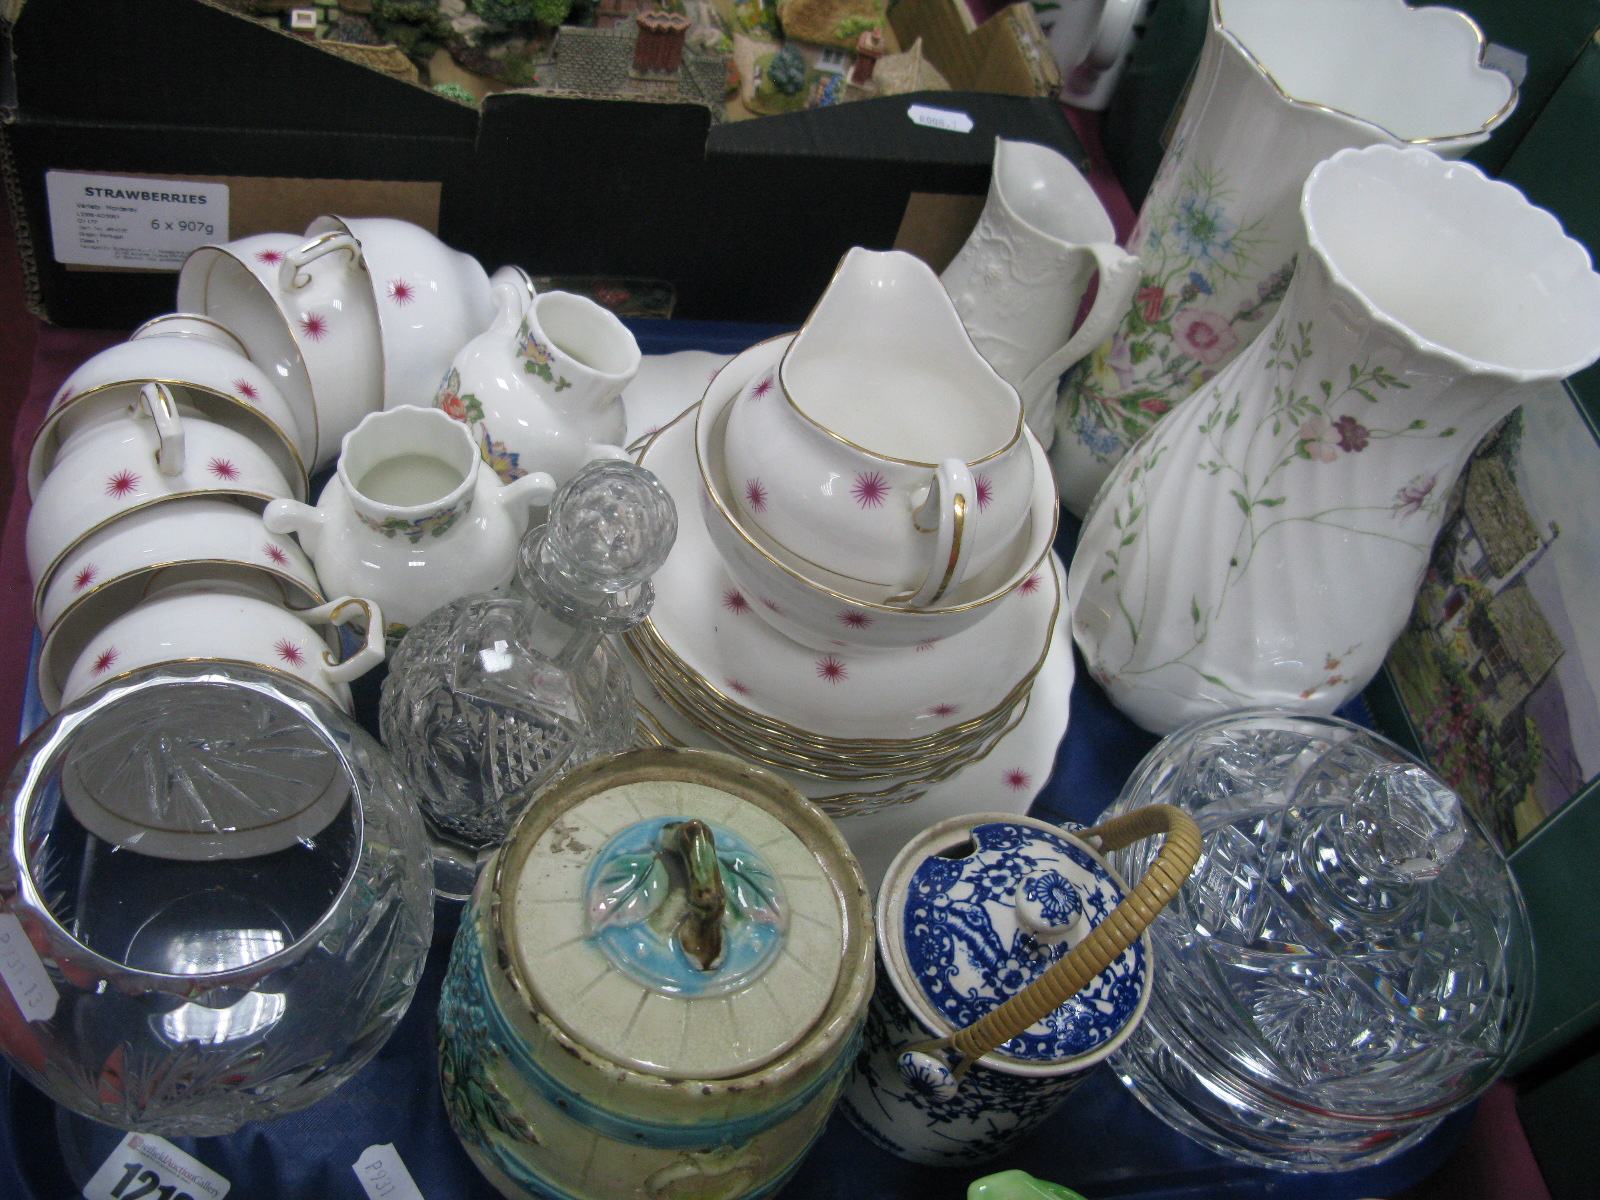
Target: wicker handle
1108, 940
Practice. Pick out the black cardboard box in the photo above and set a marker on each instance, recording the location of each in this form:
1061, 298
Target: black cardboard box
746, 219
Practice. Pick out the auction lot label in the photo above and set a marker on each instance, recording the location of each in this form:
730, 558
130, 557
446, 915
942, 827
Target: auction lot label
118, 221
147, 1167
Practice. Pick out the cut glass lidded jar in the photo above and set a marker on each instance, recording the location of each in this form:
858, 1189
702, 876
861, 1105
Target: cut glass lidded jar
658, 985
1350, 961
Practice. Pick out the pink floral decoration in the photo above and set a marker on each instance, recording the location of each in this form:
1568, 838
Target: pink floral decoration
1316, 440
1204, 334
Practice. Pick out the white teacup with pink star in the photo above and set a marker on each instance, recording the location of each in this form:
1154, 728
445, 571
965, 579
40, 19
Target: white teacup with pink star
197, 622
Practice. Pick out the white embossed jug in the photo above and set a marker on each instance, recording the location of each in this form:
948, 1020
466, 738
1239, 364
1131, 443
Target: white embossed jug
1018, 281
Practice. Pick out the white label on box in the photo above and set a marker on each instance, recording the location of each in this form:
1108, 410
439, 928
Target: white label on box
1503, 58
24, 975
940, 118
114, 221
145, 1166
384, 1175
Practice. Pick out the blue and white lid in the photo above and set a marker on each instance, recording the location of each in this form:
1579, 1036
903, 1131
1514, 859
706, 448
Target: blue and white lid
979, 906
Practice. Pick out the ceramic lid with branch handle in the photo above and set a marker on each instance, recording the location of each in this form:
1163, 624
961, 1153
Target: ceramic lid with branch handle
686, 923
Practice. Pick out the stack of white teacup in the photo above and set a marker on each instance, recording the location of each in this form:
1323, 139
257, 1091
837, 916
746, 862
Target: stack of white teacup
145, 540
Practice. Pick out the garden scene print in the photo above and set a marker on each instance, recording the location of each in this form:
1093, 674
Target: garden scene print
1497, 667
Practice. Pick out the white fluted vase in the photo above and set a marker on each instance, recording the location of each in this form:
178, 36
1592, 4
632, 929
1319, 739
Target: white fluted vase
1264, 544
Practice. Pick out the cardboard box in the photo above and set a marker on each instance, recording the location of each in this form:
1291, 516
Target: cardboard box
745, 220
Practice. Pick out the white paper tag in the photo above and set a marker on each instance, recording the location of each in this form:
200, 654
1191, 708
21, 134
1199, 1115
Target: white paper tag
24, 975
384, 1175
1503, 58
146, 1167
940, 118
113, 221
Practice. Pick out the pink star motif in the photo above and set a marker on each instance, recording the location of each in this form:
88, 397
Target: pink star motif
738, 687
985, 491
1029, 586
223, 469
61, 397
759, 392
832, 669
927, 644
290, 653
402, 292
870, 489
104, 660
275, 553
854, 620
755, 494
122, 483
271, 257
651, 432
314, 326
944, 709
246, 389
771, 605
734, 601
1017, 779
85, 577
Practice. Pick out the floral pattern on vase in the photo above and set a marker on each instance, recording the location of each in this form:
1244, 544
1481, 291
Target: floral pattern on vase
1263, 545
1201, 297
1218, 233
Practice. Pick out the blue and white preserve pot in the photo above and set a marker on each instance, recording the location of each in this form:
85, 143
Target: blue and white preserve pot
658, 987
1011, 960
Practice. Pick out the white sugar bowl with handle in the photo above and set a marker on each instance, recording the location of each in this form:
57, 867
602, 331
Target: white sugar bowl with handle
1011, 961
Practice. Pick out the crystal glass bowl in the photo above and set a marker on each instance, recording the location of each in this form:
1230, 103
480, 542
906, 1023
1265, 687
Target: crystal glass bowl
1350, 961
215, 901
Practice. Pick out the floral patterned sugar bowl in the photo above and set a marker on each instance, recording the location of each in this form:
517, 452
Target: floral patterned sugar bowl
411, 517
1011, 960
658, 986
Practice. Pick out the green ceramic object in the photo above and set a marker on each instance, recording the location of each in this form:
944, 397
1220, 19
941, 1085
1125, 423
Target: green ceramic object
1018, 1185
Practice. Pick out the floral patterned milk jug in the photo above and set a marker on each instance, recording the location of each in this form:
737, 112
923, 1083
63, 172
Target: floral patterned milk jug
1263, 544
1011, 961
1278, 88
490, 698
658, 986
541, 388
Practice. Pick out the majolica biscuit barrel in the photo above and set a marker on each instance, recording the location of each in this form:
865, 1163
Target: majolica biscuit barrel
658, 985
